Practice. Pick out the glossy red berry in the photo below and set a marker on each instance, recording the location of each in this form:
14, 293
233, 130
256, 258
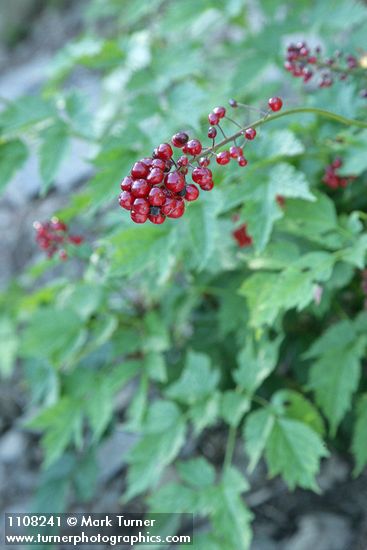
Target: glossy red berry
191, 192
163, 151
223, 158
126, 183
138, 218
76, 239
235, 151
337, 163
159, 163
204, 161
175, 182
212, 132
148, 161
183, 161
126, 200
207, 185
178, 210
220, 111
275, 103
250, 133
180, 139
156, 217
140, 188
241, 236
213, 119
193, 147
242, 161
141, 206
157, 196
139, 170
155, 176
201, 175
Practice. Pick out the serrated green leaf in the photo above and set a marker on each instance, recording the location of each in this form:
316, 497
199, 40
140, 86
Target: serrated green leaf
257, 429
99, 407
197, 380
334, 378
256, 362
25, 111
294, 450
359, 441
197, 472
13, 155
294, 405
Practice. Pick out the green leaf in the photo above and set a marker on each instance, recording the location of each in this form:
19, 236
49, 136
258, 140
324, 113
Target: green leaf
231, 518
155, 366
256, 363
257, 430
294, 450
52, 333
13, 155
197, 380
204, 413
334, 378
261, 212
359, 441
294, 405
62, 424
99, 407
233, 406
162, 415
281, 143
197, 472
173, 498
55, 141
25, 111
149, 457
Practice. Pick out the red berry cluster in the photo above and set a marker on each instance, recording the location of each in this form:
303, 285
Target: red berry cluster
305, 62
332, 179
156, 187
53, 236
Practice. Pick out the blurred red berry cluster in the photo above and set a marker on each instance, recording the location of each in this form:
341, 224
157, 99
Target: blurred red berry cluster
53, 236
331, 177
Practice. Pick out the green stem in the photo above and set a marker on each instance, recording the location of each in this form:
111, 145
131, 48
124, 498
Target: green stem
269, 118
231, 441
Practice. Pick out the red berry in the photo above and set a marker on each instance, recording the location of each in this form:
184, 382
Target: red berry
183, 161
213, 119
155, 176
337, 163
192, 192
140, 188
275, 103
242, 161
63, 255
58, 225
204, 161
157, 197
235, 151
163, 151
223, 157
159, 163
173, 207
193, 147
175, 182
180, 139
76, 239
148, 161
138, 218
126, 183
220, 111
156, 218
250, 133
212, 132
207, 185
201, 175
126, 200
280, 200
141, 206
139, 170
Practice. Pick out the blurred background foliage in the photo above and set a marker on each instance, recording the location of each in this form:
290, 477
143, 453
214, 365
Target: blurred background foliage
177, 316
